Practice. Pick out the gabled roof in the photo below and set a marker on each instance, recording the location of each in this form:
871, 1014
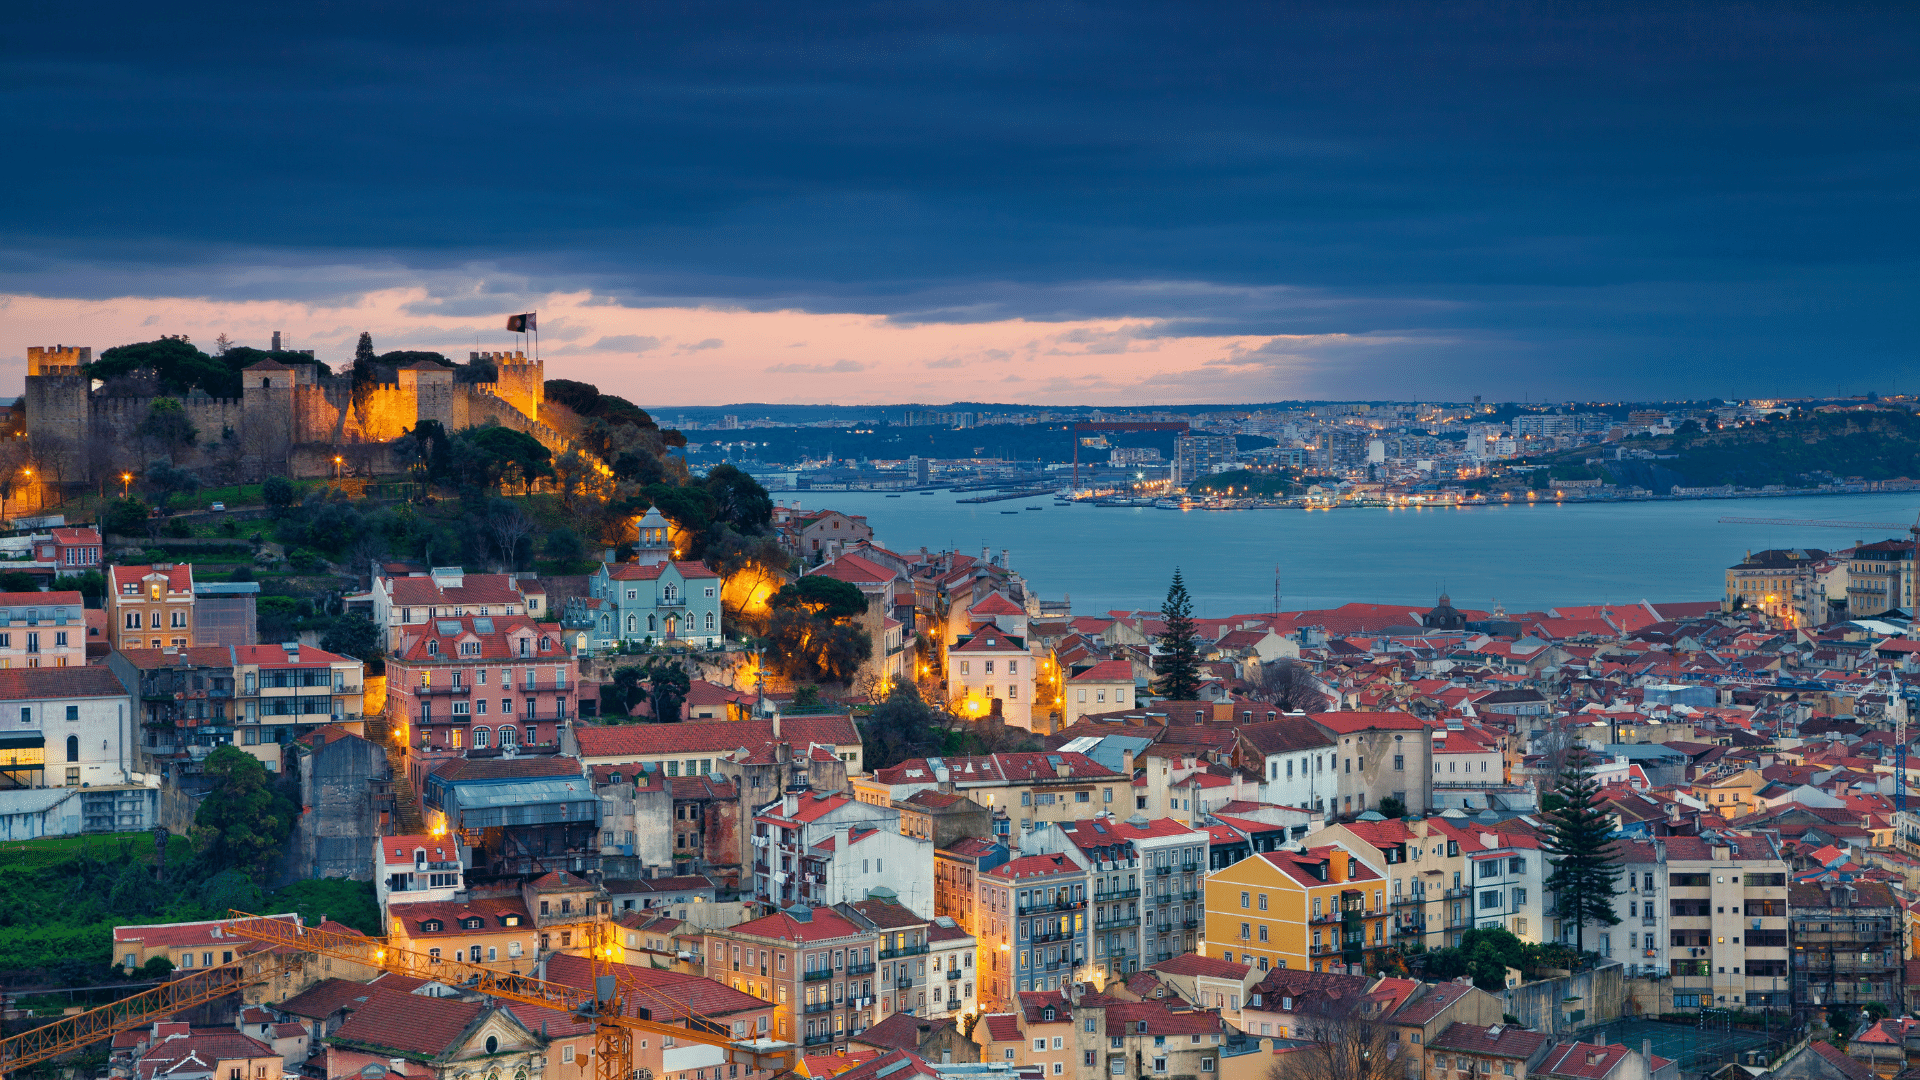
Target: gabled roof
1495, 1040
995, 604
1209, 966
412, 1025
711, 736
688, 568
25, 684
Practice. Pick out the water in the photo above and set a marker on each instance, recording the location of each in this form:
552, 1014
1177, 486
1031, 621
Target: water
1523, 557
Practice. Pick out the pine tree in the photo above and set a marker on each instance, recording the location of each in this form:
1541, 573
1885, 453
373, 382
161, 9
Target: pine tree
1580, 848
1180, 654
363, 359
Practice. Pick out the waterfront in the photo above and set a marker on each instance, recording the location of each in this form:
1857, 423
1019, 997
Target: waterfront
1525, 557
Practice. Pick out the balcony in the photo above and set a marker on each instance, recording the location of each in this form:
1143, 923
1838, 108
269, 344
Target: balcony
1322, 950
1455, 894
1404, 901
819, 1006
1103, 897
1041, 939
1190, 924
670, 601
905, 950
1162, 871
1409, 929
440, 691
818, 974
904, 982
1116, 923
1190, 895
859, 969
954, 975
819, 1040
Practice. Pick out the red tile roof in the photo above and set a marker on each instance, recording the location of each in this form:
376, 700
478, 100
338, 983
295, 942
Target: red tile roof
399, 849
825, 923
672, 995
273, 656
179, 578
492, 911
1346, 723
40, 599
1209, 966
408, 1023
651, 571
1030, 866
712, 736
995, 604
21, 684
180, 935
414, 639
1496, 1040
1106, 671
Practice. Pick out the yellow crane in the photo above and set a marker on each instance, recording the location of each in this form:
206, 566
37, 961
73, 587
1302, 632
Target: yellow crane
614, 1011
70, 1033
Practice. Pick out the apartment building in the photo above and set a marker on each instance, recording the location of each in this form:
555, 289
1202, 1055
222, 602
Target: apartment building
1710, 911
282, 692
952, 953
479, 681
1846, 943
1295, 758
956, 874
905, 944
1089, 1037
1380, 755
816, 965
1318, 907
1146, 886
413, 868
1021, 790
1034, 926
991, 671
150, 607
807, 849
42, 629
448, 592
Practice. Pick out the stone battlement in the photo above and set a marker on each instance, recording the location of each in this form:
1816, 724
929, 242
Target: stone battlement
57, 359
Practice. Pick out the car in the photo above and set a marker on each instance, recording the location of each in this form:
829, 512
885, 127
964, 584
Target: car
220, 508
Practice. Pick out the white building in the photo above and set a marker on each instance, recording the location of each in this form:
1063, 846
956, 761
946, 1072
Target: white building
415, 868
987, 666
1506, 879
64, 727
1297, 761
951, 988
858, 858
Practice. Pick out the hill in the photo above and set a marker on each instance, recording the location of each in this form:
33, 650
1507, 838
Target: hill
1803, 450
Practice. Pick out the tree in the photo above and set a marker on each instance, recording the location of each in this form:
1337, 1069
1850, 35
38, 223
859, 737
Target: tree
91, 585
352, 635
811, 634
1485, 955
1289, 684
168, 427
739, 501
244, 821
1579, 847
1391, 807
667, 686
165, 481
822, 597
177, 364
278, 494
510, 527
1179, 665
564, 545
126, 517
364, 369
899, 728
1348, 1043
486, 457
18, 581
618, 697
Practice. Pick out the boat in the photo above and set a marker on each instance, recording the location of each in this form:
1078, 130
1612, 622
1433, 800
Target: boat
893, 496
1010, 511
1036, 508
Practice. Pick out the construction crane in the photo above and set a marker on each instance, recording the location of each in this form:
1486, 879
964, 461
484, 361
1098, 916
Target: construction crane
70, 1033
614, 1015
1897, 701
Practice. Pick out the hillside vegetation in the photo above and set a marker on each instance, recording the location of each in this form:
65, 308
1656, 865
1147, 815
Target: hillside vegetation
1794, 452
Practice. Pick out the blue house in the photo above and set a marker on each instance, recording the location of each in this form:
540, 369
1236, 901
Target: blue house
661, 602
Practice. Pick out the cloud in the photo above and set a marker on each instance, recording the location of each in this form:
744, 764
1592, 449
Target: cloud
836, 368
709, 343
638, 343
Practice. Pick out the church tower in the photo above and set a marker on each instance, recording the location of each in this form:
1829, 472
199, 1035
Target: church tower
655, 544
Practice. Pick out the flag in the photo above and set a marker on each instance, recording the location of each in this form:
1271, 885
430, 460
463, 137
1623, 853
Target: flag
521, 324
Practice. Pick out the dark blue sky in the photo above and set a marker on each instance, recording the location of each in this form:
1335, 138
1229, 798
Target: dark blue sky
1558, 199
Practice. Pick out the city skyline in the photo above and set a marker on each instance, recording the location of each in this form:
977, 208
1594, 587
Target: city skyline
1056, 205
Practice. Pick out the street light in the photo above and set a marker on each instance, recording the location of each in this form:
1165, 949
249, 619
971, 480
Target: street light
126, 480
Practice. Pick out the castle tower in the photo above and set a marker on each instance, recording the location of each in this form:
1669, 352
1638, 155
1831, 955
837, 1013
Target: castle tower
521, 382
58, 414
431, 388
266, 413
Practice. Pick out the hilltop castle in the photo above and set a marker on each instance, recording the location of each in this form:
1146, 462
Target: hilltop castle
289, 420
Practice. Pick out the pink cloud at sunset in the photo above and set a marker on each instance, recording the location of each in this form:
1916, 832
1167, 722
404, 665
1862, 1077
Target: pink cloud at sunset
661, 356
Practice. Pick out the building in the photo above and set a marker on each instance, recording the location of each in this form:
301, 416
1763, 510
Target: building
431, 1038
284, 692
818, 535
1880, 578
816, 965
1295, 757
942, 818
1033, 925
1196, 457
1769, 581
956, 874
448, 592
696, 748
493, 930
1147, 878
520, 816
658, 602
990, 672
68, 727
410, 869
69, 550
815, 848
176, 1051
1380, 755
477, 681
1090, 1035
151, 606
1103, 687
673, 997
1846, 943
1020, 789
1320, 907
225, 612
951, 976
1475, 1050
346, 795
185, 697
42, 629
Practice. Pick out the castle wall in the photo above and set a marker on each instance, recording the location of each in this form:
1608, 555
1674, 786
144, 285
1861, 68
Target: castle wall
482, 406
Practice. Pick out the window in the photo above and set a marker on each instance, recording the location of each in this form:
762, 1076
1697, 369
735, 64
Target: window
1246, 900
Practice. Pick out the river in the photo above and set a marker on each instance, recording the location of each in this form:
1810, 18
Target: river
1523, 557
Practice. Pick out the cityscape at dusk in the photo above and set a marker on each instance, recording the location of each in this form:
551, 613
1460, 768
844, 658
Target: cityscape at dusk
885, 541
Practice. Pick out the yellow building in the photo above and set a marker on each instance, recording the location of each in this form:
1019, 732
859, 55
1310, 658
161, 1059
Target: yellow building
1730, 794
1768, 580
151, 607
1320, 908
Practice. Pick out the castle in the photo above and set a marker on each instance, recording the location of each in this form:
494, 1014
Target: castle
288, 421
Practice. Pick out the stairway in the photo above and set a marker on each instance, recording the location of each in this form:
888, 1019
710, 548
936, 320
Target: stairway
407, 818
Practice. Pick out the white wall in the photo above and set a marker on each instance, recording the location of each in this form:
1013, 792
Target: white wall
883, 859
1309, 779
98, 732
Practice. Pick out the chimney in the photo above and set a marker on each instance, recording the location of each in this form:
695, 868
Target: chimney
791, 805
1337, 865
776, 724
1646, 1051
1126, 764
1003, 558
1158, 774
